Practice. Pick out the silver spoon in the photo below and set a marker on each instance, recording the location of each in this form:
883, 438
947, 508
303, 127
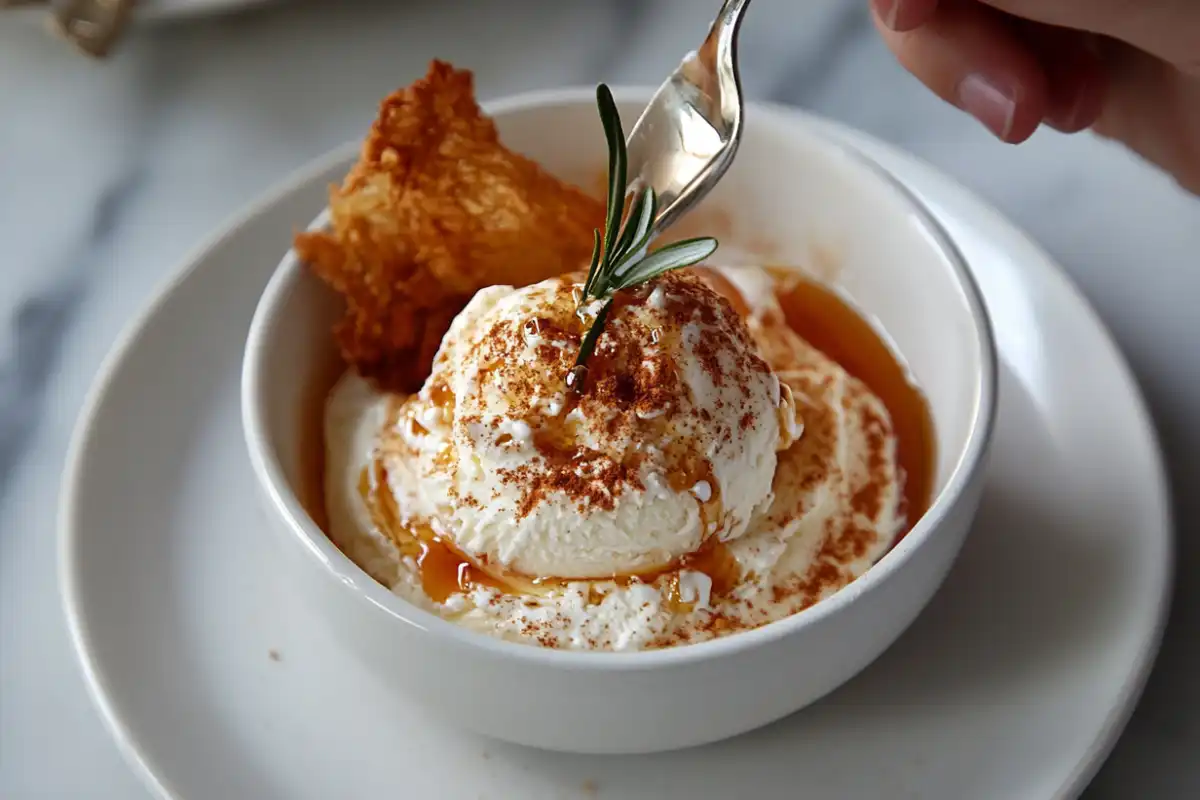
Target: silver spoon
687, 137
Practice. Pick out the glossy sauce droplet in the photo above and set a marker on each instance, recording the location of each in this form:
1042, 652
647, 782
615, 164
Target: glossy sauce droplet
576, 379
415, 427
715, 561
441, 395
532, 329
445, 571
692, 474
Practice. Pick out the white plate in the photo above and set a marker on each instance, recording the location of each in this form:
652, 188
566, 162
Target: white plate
170, 9
1013, 684
154, 10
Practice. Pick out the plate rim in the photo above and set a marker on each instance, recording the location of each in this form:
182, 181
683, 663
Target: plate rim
1134, 686
81, 435
1105, 737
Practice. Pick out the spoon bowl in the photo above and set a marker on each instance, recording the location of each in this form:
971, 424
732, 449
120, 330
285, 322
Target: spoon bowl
687, 137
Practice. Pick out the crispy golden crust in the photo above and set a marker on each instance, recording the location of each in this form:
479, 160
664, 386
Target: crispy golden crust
435, 209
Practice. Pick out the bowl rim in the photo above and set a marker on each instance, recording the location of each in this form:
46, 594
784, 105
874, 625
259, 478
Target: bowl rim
340, 568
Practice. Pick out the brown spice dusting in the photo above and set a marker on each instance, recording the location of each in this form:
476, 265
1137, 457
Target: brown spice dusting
822, 576
710, 360
846, 540
591, 481
633, 392
868, 500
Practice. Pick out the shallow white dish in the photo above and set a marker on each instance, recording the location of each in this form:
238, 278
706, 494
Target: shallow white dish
1014, 683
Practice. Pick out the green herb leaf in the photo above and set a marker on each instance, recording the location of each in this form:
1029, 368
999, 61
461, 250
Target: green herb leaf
638, 235
588, 345
641, 217
594, 269
636, 238
617, 166
674, 256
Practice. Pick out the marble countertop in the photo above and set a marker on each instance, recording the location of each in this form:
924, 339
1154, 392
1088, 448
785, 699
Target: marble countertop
110, 174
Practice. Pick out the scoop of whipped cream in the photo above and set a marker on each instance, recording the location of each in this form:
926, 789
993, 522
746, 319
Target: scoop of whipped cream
671, 442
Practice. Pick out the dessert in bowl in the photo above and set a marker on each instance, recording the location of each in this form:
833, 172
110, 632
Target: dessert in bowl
749, 487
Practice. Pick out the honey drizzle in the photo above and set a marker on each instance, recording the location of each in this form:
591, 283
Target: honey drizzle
443, 569
441, 395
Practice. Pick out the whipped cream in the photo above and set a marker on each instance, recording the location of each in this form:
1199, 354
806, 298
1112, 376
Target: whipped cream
672, 442
743, 476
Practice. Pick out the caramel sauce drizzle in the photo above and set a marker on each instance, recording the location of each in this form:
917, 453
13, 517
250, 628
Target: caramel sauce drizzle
831, 325
444, 570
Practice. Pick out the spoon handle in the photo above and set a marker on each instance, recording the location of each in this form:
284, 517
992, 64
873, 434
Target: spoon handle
730, 15
719, 51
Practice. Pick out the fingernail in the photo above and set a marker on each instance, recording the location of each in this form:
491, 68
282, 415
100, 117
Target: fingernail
991, 104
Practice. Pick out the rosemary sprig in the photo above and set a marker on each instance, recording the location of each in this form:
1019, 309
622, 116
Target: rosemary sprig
621, 258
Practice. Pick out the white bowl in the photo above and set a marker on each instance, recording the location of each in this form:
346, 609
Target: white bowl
811, 200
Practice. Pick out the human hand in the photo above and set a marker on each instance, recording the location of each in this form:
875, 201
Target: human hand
1129, 69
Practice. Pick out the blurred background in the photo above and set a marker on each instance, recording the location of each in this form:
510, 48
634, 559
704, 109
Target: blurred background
112, 171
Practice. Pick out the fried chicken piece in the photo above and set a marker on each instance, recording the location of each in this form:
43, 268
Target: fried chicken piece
435, 209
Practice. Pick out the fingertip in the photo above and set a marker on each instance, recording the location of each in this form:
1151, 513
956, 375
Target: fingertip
1001, 105
969, 57
988, 103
